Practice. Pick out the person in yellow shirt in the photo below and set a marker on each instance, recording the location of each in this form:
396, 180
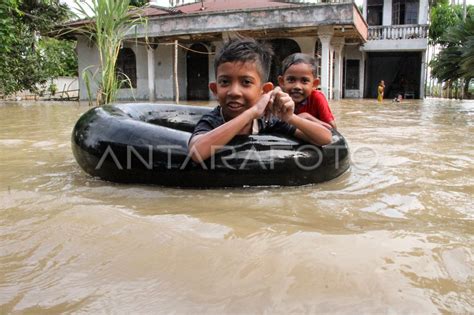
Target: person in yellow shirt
380, 90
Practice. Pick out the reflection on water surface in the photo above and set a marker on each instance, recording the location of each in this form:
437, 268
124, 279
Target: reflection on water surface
394, 234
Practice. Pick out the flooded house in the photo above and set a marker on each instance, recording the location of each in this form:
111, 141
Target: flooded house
173, 55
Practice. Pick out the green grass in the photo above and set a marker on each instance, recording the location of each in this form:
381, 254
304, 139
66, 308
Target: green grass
112, 21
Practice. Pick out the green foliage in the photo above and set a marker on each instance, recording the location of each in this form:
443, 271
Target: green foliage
24, 57
58, 57
113, 20
442, 17
138, 3
456, 60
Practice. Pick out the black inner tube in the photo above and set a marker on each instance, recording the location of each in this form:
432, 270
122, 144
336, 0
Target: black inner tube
147, 143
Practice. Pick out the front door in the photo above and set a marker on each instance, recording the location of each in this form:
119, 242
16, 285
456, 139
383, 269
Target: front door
197, 73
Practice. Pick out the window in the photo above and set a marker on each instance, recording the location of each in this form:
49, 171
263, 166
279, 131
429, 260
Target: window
126, 68
405, 12
352, 74
374, 12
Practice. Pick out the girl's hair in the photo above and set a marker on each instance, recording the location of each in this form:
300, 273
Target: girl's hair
246, 49
298, 58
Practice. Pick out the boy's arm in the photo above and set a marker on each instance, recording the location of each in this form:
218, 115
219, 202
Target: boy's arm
308, 130
203, 146
330, 125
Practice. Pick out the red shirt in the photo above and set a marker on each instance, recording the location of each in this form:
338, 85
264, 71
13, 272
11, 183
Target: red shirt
316, 105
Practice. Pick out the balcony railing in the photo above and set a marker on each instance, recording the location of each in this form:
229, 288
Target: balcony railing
412, 31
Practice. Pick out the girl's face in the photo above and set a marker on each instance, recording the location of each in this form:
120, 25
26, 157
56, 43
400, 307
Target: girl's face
298, 81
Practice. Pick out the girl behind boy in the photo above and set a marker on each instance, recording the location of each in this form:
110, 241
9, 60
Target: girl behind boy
299, 80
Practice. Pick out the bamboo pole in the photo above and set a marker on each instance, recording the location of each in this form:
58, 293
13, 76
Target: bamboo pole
464, 10
175, 73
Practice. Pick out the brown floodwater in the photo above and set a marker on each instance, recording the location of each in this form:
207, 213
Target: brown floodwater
394, 234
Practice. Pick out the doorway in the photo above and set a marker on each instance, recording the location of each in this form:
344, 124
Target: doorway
282, 48
197, 73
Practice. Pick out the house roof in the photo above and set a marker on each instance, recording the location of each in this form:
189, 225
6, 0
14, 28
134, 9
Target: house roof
212, 17
226, 5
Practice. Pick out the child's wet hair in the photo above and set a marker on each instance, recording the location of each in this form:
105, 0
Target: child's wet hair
298, 58
244, 49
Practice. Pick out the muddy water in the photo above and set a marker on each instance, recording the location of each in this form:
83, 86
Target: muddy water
392, 235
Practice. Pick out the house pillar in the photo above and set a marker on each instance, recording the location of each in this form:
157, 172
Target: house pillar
387, 12
423, 13
423, 75
325, 35
338, 44
330, 94
362, 73
151, 72
214, 47
364, 9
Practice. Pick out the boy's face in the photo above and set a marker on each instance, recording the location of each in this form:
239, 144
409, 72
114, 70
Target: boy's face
238, 87
298, 81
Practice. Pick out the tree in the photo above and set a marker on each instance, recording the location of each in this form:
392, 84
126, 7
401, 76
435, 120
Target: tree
58, 57
24, 62
112, 20
456, 60
442, 16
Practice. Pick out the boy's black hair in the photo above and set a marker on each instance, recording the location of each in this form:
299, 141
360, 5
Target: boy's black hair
298, 58
246, 49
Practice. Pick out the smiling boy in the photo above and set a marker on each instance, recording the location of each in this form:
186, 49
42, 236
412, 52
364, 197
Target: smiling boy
299, 79
242, 67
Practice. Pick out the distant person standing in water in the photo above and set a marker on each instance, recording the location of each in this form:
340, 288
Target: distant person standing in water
380, 90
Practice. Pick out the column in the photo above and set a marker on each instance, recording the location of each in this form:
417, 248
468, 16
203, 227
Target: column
423, 75
362, 73
325, 36
331, 73
338, 44
151, 72
423, 14
387, 12
364, 9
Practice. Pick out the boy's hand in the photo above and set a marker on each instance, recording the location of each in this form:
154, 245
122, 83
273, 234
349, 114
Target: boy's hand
282, 105
260, 108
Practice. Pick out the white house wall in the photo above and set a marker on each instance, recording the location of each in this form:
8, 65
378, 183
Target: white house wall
396, 45
141, 92
307, 44
87, 55
164, 72
164, 89
164, 80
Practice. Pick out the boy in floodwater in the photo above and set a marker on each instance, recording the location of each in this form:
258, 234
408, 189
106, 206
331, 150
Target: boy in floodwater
245, 96
299, 80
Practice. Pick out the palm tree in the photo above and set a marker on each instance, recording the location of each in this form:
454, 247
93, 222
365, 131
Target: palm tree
456, 60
